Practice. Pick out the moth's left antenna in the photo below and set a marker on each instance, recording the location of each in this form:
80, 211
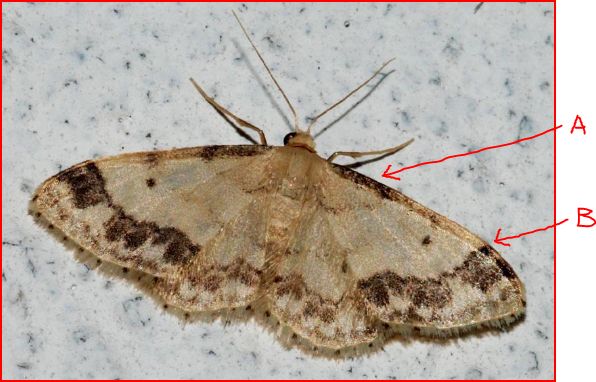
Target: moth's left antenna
269, 71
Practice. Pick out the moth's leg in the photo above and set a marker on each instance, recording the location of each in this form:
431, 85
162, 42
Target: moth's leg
229, 114
358, 154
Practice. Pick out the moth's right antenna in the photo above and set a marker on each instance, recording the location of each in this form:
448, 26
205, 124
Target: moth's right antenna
314, 119
269, 71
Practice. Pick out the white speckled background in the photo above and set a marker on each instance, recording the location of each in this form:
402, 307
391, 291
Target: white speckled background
82, 81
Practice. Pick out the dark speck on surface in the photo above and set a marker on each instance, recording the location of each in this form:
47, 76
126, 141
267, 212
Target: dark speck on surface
477, 7
80, 336
31, 267
541, 334
453, 48
69, 82
473, 374
536, 365
508, 87
405, 117
549, 40
435, 80
545, 85
388, 8
525, 128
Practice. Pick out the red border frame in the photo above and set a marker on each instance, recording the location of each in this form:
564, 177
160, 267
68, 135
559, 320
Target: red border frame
555, 193
413, 1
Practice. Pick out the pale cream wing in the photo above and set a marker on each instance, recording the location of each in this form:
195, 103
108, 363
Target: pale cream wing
192, 217
412, 266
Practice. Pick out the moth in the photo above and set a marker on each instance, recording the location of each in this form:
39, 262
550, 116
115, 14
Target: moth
336, 259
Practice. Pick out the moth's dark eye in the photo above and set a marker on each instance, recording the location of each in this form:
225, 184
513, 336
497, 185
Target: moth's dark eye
288, 137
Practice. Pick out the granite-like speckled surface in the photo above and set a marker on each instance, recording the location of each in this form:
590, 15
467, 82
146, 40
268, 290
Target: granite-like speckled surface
82, 81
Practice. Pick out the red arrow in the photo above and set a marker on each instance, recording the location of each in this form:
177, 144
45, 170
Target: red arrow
501, 240
390, 174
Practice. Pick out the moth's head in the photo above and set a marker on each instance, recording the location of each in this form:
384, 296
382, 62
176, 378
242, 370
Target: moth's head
300, 139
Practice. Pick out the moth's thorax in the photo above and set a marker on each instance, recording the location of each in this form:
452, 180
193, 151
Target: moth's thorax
300, 139
293, 168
